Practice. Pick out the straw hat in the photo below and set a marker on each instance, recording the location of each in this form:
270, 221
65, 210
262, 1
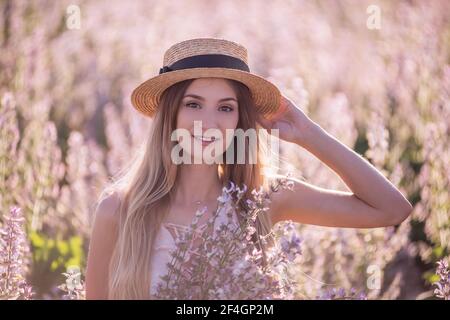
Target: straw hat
201, 58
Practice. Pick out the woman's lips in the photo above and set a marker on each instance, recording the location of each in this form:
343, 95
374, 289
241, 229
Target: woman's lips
205, 142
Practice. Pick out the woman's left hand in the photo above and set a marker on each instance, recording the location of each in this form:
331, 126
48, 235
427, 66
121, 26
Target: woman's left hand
293, 124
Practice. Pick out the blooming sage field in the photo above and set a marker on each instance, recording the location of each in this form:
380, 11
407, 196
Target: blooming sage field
375, 74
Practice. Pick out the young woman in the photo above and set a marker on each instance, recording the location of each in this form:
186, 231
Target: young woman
208, 80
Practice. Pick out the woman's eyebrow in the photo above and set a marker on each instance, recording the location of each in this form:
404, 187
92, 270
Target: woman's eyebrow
203, 99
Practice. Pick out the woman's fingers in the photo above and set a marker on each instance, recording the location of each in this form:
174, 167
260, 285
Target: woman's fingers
267, 124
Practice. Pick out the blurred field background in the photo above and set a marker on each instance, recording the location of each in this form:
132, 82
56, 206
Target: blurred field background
67, 125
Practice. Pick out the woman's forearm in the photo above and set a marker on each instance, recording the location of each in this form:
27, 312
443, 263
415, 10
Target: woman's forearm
363, 179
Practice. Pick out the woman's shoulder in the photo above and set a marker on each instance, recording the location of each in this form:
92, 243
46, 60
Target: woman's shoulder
108, 208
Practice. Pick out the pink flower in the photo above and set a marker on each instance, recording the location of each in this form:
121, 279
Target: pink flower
443, 285
13, 250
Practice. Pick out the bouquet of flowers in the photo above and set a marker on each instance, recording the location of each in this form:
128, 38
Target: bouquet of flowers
227, 264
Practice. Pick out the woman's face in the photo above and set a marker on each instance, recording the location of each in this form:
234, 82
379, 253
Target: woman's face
209, 112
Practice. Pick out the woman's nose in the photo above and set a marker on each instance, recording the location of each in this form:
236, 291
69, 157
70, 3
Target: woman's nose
209, 119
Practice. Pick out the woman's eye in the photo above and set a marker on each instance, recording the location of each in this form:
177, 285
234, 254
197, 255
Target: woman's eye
226, 109
192, 105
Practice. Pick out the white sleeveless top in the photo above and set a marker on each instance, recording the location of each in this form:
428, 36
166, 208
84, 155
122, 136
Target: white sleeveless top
165, 242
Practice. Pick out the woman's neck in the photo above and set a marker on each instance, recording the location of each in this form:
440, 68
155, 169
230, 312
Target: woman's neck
197, 182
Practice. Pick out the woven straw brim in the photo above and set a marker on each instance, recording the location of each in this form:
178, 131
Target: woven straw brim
145, 98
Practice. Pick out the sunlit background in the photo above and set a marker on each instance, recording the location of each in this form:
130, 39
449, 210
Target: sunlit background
375, 74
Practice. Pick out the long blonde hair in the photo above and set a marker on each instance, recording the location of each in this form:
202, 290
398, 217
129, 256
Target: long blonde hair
145, 186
